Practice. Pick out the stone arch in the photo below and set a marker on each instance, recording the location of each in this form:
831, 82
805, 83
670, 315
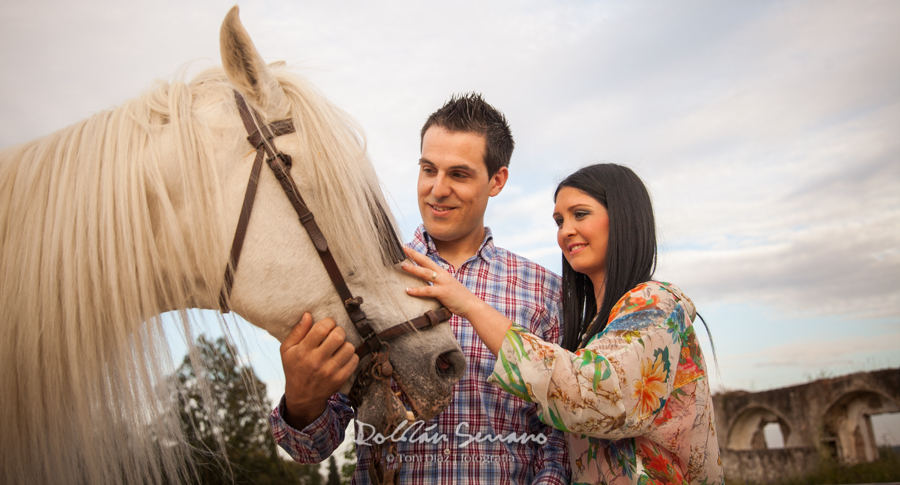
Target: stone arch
847, 425
746, 430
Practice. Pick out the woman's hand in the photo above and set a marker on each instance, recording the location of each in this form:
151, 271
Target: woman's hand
451, 293
489, 324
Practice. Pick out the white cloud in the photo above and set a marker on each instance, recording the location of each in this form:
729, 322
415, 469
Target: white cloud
765, 130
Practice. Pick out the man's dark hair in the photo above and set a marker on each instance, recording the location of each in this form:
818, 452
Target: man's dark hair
630, 251
469, 113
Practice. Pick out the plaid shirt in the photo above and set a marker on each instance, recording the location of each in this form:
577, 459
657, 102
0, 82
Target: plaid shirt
527, 294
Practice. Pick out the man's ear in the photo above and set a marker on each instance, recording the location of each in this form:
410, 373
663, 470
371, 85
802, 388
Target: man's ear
498, 180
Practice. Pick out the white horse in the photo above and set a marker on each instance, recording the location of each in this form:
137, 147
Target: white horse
110, 222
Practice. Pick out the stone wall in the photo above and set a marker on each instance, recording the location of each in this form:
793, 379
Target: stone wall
828, 418
767, 466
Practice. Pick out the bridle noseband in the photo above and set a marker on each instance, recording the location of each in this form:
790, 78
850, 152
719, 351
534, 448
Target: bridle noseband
261, 137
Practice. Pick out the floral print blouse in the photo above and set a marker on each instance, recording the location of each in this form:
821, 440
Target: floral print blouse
634, 403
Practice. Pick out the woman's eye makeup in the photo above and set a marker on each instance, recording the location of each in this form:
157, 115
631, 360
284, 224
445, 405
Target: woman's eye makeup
577, 215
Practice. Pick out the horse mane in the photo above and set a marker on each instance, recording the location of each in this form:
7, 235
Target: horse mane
336, 161
93, 251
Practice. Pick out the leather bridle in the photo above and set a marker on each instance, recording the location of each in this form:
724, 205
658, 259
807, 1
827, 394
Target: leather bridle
261, 137
379, 368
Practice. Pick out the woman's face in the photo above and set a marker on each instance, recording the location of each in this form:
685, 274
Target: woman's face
583, 232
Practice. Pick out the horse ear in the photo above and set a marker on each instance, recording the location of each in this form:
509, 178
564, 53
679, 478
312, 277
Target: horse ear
244, 66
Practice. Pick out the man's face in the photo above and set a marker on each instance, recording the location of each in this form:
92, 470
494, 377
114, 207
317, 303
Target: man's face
454, 186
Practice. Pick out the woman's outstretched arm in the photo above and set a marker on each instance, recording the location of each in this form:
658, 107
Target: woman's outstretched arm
489, 324
612, 389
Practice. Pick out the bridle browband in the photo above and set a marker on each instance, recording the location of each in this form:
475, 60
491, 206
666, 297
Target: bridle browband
261, 137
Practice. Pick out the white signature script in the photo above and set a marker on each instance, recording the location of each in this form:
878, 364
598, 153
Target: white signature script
414, 433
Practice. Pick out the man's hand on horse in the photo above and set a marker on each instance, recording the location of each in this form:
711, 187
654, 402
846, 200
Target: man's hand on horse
317, 361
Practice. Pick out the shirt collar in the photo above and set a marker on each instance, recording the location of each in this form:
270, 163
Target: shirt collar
423, 243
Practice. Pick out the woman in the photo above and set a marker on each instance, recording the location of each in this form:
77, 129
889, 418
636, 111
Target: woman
629, 384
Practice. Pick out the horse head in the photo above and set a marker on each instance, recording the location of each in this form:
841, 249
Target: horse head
279, 275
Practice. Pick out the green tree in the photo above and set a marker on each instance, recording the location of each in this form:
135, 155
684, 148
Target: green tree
238, 399
307, 474
334, 478
349, 465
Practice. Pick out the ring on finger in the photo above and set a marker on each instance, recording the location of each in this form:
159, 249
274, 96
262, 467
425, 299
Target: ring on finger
433, 276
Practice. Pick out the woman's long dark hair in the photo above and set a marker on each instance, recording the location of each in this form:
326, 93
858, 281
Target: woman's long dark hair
630, 252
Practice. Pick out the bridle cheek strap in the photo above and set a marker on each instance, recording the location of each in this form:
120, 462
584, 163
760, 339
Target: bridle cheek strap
261, 139
276, 129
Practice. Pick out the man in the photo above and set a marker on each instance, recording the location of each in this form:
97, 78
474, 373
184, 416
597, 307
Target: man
466, 148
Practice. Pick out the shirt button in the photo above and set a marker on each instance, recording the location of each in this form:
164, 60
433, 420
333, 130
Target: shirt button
446, 451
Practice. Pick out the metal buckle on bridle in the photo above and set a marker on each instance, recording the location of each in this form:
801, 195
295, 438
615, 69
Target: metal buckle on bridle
378, 368
381, 364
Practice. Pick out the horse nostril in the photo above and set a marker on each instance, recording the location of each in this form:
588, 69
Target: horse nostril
450, 365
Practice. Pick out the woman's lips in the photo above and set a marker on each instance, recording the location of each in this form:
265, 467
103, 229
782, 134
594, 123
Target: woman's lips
576, 248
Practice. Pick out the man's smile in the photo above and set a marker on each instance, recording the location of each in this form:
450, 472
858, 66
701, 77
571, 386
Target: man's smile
443, 209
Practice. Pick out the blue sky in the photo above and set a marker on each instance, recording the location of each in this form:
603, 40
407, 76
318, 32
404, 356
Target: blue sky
766, 132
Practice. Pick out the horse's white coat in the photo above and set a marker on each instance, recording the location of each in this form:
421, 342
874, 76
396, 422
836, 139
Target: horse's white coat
111, 221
